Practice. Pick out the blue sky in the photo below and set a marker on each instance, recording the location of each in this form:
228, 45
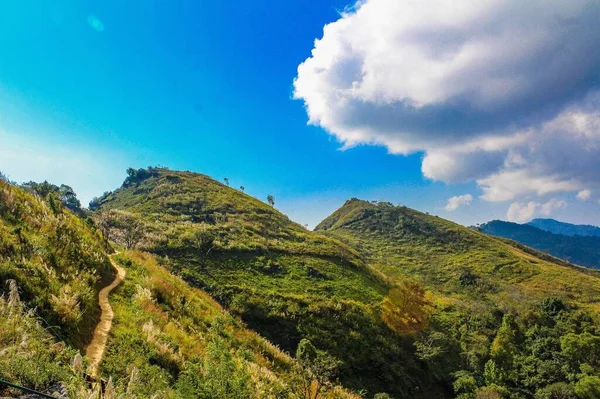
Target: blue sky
88, 89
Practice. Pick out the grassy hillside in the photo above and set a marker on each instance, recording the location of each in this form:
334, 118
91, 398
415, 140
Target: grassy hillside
52, 265
285, 282
501, 315
56, 259
178, 342
168, 340
577, 249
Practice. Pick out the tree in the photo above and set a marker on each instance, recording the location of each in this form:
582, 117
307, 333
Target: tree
226, 180
588, 387
132, 230
581, 348
203, 239
42, 189
106, 222
504, 346
318, 369
271, 200
242, 188
406, 308
67, 196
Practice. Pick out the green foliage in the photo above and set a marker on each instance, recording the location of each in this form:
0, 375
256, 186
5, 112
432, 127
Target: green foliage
135, 176
29, 355
489, 309
56, 259
184, 344
406, 309
53, 193
286, 282
558, 390
319, 368
588, 387
494, 316
219, 375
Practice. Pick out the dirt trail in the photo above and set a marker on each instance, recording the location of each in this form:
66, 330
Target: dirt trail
95, 349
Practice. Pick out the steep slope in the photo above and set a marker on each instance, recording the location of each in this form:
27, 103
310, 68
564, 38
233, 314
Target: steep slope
56, 259
576, 249
172, 340
52, 265
285, 282
167, 339
500, 312
568, 229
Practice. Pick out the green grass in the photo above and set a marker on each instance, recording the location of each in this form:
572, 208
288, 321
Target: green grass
163, 328
477, 282
57, 260
401, 242
284, 281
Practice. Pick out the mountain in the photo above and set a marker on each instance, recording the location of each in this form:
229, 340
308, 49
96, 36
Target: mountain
167, 339
285, 282
220, 288
568, 229
501, 318
581, 250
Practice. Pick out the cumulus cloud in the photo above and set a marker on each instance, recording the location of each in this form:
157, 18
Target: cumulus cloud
584, 195
456, 202
521, 212
549, 207
503, 93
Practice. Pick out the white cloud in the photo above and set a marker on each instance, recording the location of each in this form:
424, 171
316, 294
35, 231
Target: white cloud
460, 200
549, 207
521, 212
472, 84
584, 195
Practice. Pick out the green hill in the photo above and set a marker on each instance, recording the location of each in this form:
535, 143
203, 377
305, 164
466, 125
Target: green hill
581, 250
284, 281
168, 340
502, 319
52, 265
568, 229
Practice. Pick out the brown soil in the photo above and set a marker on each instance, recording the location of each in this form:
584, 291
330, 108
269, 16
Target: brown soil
95, 349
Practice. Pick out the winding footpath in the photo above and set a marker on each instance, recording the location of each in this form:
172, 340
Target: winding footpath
95, 349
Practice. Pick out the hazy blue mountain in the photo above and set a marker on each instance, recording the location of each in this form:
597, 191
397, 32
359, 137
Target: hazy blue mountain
581, 250
568, 229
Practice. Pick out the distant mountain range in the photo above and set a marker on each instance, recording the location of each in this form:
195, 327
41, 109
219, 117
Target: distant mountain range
579, 244
567, 229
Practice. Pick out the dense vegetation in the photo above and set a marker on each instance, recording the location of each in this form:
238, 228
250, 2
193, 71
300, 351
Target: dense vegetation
285, 282
582, 250
168, 340
504, 323
388, 301
52, 264
56, 259
568, 229
178, 342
